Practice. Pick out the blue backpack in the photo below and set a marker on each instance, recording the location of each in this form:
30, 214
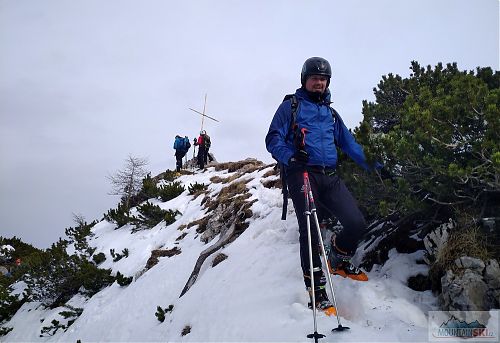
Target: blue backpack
182, 144
186, 143
178, 143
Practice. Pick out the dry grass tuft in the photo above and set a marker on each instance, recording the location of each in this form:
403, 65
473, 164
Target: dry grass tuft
468, 241
272, 183
202, 224
246, 166
271, 172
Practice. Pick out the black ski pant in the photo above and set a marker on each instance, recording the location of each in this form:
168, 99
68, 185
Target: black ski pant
201, 156
179, 155
332, 194
205, 156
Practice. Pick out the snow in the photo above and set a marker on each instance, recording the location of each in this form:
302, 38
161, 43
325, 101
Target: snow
255, 295
4, 249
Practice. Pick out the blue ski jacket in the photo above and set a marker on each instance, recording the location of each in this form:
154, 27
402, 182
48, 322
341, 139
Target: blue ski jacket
324, 132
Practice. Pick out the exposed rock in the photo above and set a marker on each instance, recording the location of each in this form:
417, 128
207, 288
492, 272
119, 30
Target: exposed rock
492, 274
474, 264
474, 287
218, 259
213, 227
464, 293
436, 240
229, 211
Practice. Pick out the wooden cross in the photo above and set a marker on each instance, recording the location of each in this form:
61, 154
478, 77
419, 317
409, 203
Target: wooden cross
203, 115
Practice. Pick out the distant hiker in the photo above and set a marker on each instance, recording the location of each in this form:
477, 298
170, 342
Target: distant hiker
208, 144
181, 146
304, 135
203, 142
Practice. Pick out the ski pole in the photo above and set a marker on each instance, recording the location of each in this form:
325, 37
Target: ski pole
307, 213
323, 252
194, 154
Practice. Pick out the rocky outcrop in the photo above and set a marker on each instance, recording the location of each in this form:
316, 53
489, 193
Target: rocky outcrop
436, 240
475, 286
229, 211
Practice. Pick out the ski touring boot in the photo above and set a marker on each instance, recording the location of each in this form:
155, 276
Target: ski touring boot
323, 304
340, 264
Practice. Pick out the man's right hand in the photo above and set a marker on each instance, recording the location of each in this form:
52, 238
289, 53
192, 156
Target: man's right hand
300, 156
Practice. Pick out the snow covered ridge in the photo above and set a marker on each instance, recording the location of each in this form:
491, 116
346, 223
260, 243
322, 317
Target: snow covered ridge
237, 265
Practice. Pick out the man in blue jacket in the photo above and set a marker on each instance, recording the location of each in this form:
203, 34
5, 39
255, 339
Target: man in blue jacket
317, 153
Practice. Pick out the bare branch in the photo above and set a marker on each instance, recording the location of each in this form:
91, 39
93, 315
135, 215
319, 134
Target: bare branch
445, 203
452, 146
128, 181
79, 219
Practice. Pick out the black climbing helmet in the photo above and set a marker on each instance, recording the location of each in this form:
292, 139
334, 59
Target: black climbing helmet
315, 66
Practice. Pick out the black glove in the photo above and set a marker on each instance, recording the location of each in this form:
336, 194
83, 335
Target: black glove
300, 156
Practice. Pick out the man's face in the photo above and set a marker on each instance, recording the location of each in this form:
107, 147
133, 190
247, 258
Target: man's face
316, 83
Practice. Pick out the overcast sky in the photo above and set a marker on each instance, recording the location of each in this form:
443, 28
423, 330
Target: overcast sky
84, 83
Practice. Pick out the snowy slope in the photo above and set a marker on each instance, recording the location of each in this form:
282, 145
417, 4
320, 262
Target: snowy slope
256, 294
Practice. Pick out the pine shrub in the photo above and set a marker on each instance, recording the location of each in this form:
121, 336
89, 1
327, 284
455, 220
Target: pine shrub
151, 215
160, 314
47, 331
149, 189
123, 280
90, 279
5, 330
197, 188
99, 258
78, 236
169, 175
53, 277
436, 132
171, 190
117, 257
71, 314
9, 304
169, 216
119, 216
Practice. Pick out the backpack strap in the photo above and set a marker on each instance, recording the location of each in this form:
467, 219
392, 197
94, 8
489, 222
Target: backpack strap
294, 107
284, 187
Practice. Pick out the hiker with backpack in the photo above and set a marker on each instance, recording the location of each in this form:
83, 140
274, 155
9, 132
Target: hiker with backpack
181, 146
203, 142
303, 137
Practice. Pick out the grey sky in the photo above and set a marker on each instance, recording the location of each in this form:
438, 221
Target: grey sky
84, 83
